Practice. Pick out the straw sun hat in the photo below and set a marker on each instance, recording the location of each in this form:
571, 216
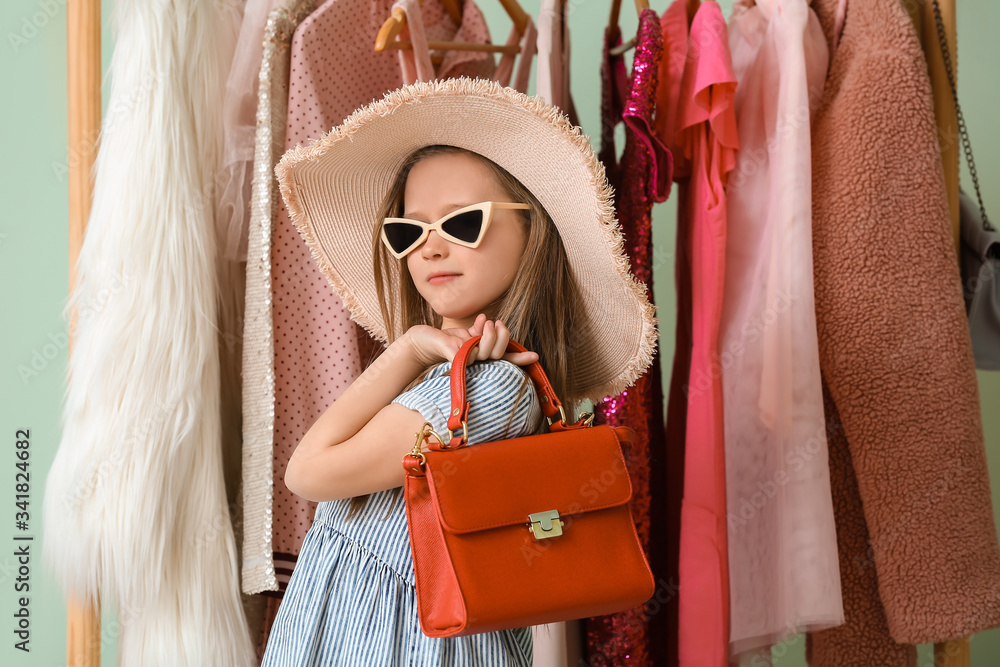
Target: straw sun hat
334, 186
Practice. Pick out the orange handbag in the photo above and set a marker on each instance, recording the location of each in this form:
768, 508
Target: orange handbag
525, 531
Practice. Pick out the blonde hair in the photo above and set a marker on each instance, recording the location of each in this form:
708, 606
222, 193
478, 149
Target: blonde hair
538, 308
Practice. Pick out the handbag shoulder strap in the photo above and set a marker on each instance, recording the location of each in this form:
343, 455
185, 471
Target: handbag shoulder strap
962, 130
459, 415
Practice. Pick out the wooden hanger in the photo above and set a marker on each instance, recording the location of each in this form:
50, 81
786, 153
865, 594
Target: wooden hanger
613, 21
616, 6
454, 9
692, 8
386, 38
616, 9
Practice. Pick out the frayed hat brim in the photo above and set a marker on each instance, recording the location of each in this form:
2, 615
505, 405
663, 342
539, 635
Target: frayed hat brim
333, 189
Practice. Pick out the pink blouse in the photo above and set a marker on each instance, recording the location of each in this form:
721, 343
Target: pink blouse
699, 124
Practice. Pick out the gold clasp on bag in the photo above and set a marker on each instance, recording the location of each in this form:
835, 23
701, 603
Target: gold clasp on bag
546, 524
465, 435
562, 415
425, 432
587, 418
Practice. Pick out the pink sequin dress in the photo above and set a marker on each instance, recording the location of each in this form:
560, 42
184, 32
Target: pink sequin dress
641, 178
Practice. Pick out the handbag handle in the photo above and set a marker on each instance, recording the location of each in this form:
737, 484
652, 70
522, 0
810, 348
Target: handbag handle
459, 415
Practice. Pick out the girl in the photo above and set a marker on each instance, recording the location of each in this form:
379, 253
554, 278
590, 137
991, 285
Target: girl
433, 226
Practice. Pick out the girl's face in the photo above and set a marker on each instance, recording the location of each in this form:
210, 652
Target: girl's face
475, 277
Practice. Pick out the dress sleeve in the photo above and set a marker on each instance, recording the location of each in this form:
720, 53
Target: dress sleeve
503, 398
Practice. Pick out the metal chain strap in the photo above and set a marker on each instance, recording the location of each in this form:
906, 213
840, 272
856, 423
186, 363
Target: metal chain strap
962, 130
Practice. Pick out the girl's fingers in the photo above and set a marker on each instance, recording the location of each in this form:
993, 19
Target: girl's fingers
477, 326
521, 358
495, 336
487, 341
503, 336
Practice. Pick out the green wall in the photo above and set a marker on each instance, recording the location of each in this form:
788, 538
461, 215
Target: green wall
33, 265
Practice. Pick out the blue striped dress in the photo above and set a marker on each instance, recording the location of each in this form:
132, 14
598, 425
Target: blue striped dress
351, 598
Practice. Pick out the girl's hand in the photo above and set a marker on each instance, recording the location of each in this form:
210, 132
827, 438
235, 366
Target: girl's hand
493, 344
431, 346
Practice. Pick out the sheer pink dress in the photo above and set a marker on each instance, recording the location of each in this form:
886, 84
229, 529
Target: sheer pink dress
783, 564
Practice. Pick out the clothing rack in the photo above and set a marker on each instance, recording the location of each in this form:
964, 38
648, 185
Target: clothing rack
83, 41
83, 73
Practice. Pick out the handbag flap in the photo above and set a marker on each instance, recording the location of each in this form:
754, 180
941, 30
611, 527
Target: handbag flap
494, 484
984, 243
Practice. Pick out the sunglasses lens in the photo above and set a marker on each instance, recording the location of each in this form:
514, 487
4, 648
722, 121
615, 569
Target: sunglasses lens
465, 226
401, 235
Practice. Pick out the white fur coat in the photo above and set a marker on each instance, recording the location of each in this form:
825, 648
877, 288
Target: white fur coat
135, 510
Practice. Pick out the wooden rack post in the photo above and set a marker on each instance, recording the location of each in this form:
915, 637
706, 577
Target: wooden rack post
83, 59
954, 653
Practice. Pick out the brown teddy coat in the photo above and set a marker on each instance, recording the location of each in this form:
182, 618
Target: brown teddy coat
918, 544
